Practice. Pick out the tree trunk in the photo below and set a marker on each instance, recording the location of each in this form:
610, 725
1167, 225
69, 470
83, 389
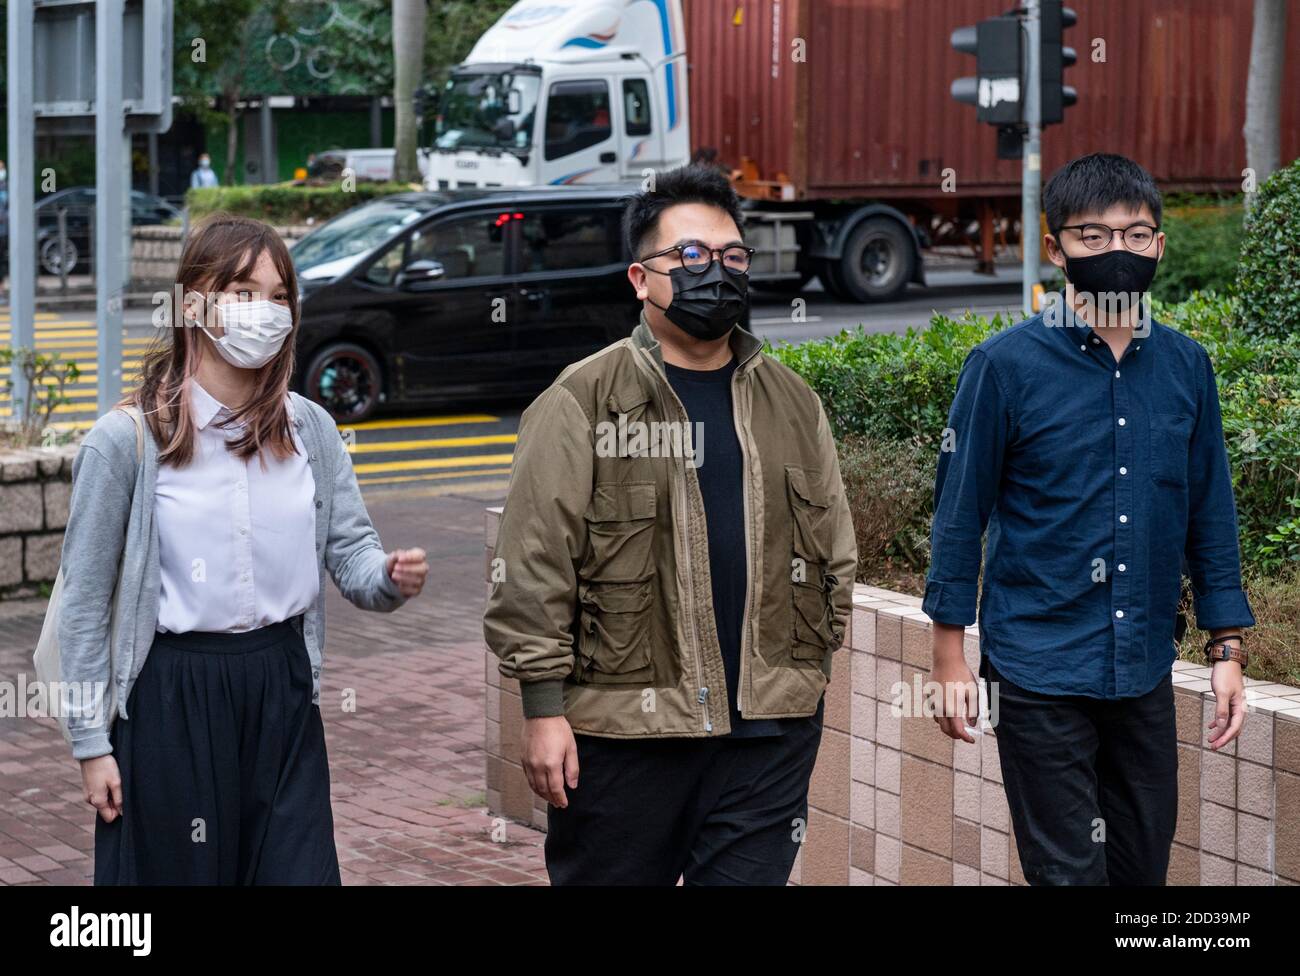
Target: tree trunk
232, 135
1263, 130
408, 55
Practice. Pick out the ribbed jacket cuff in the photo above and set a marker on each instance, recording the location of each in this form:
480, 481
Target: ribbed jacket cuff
542, 699
91, 747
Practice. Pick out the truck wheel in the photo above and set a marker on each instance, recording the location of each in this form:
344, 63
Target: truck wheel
878, 260
346, 380
830, 277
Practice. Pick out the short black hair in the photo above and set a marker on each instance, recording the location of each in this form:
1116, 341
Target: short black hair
694, 183
1094, 183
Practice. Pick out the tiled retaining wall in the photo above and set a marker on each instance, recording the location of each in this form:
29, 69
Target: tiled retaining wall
894, 801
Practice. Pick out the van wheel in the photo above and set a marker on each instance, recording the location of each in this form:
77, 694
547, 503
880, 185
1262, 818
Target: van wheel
346, 380
878, 261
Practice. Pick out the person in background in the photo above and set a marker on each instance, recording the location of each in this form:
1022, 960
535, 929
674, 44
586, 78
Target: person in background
204, 175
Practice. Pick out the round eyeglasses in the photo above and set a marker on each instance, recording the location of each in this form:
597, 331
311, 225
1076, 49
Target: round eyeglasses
1097, 237
696, 258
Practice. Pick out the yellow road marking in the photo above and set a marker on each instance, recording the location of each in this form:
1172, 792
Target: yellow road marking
429, 464
470, 418
381, 447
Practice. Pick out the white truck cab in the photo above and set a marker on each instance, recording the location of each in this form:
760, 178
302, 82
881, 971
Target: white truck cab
563, 92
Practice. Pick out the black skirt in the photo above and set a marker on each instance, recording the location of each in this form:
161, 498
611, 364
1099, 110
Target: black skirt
224, 774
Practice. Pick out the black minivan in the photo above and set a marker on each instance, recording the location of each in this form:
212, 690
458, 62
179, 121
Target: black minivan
434, 297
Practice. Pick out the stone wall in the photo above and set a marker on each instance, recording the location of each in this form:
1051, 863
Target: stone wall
35, 488
156, 251
894, 801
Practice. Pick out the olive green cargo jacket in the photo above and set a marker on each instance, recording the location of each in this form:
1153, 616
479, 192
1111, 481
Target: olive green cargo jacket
601, 604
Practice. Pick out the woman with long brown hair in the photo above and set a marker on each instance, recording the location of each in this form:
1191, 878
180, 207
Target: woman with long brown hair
205, 513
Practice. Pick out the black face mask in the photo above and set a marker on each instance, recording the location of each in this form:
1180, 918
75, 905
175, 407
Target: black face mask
1112, 276
705, 305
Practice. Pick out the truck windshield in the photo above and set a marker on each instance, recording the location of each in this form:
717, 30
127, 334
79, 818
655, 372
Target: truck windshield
488, 111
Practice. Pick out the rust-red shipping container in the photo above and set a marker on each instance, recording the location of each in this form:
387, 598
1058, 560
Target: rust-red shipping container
850, 98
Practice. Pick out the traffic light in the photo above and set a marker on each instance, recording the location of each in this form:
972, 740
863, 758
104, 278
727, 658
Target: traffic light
1056, 58
995, 90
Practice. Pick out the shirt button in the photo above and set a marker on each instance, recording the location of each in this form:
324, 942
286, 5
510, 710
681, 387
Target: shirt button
318, 503
1116, 374
1123, 470
1122, 421
1119, 613
1123, 518
1083, 349
1122, 567
1095, 340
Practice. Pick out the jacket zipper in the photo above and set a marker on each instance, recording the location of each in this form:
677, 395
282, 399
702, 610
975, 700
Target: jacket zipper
749, 542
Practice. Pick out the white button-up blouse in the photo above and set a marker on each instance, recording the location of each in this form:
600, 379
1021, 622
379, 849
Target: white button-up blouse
236, 542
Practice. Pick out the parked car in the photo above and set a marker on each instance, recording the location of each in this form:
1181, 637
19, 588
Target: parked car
366, 164
79, 201
433, 297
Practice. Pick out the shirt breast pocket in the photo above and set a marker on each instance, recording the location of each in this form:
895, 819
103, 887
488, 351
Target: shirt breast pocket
1170, 435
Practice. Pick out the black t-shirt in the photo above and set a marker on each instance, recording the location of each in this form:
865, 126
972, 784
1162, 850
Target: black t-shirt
706, 395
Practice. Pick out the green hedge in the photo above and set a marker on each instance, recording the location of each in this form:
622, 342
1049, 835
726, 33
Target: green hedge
1268, 276
1202, 240
898, 388
287, 203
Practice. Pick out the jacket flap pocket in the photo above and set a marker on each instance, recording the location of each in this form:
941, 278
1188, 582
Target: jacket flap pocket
616, 598
807, 485
626, 396
622, 502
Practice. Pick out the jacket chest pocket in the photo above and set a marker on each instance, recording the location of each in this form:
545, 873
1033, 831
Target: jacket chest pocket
615, 585
811, 581
1170, 435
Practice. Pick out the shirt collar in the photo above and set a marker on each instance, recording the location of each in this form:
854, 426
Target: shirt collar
206, 408
1080, 333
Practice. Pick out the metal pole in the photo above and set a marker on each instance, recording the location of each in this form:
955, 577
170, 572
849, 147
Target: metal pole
22, 193
112, 247
1032, 164
63, 250
268, 142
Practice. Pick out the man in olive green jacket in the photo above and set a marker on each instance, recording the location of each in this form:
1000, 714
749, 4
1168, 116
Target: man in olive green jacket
673, 570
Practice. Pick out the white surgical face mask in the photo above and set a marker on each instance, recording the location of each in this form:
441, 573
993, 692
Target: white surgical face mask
255, 331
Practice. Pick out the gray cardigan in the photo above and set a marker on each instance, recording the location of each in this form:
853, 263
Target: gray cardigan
111, 520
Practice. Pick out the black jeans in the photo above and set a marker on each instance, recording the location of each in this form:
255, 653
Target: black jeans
1092, 784
712, 811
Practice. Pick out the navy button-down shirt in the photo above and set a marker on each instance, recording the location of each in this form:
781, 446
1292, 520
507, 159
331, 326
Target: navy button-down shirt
1095, 480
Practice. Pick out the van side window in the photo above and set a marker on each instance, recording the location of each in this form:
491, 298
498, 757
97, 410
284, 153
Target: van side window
636, 107
385, 267
466, 247
577, 116
567, 240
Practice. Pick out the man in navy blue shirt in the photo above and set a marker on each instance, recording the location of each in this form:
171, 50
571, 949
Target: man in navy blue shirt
1087, 440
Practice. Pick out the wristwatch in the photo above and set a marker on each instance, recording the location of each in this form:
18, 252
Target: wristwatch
1218, 649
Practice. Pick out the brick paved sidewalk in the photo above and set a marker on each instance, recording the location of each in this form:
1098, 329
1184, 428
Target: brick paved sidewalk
407, 810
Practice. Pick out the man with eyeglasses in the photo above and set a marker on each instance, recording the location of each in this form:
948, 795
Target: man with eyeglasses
1088, 441
674, 568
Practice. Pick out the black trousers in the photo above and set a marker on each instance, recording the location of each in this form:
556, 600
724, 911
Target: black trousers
712, 811
224, 774
1092, 784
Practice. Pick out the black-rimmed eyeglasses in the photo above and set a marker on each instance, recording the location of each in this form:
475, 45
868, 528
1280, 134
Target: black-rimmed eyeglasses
696, 258
1097, 237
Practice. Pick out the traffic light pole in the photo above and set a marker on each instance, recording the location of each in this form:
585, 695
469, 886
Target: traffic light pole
1032, 165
